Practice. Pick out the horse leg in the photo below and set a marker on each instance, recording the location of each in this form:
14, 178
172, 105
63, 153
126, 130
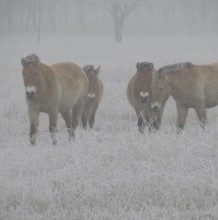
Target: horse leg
182, 115
202, 116
159, 116
53, 115
141, 123
67, 119
92, 116
84, 116
76, 115
34, 122
148, 122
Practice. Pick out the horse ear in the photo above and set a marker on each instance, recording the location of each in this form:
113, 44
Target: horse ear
97, 70
84, 69
137, 65
151, 66
36, 59
23, 61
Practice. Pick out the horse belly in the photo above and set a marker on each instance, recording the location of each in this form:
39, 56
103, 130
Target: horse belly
211, 96
68, 102
211, 101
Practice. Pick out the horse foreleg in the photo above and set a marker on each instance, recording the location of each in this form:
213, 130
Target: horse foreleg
92, 119
92, 115
34, 122
182, 115
76, 115
67, 118
202, 116
84, 118
53, 125
141, 123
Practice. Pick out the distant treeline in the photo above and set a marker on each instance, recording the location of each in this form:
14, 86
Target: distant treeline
109, 16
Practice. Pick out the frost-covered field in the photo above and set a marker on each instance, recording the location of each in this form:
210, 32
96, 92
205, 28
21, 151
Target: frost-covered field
111, 172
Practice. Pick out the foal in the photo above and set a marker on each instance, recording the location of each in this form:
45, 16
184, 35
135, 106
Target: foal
94, 95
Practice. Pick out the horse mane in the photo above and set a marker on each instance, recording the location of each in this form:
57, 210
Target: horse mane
32, 58
88, 68
175, 67
143, 66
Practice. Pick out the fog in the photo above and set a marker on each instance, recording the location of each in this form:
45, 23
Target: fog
103, 17
112, 171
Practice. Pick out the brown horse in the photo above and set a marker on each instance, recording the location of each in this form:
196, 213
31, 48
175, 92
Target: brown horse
139, 95
191, 86
94, 95
61, 87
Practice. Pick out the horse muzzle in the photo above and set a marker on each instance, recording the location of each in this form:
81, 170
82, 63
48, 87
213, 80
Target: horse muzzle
155, 106
30, 95
144, 97
90, 96
30, 92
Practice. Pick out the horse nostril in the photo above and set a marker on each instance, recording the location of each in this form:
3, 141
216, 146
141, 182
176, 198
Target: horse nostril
155, 108
30, 94
144, 99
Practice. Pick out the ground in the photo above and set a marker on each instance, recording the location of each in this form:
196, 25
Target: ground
110, 172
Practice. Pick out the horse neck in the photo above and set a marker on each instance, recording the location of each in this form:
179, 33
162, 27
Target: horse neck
45, 76
144, 77
93, 84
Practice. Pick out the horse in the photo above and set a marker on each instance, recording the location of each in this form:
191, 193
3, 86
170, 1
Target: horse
190, 85
58, 88
139, 95
94, 95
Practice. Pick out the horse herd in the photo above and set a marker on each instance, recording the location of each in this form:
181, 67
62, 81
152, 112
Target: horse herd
76, 92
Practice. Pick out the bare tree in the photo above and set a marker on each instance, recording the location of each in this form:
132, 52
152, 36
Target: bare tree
119, 11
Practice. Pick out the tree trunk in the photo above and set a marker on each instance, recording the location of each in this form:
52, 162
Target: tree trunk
118, 19
118, 27
39, 22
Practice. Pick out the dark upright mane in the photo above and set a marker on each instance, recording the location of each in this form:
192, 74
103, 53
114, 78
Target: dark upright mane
175, 67
88, 68
32, 58
143, 66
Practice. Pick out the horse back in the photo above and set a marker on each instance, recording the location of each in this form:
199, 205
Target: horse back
197, 84
70, 78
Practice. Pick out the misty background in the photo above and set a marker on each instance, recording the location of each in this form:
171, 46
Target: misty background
110, 172
117, 18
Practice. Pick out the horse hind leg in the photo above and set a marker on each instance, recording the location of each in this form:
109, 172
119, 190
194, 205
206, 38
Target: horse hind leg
67, 118
76, 115
182, 115
202, 116
92, 120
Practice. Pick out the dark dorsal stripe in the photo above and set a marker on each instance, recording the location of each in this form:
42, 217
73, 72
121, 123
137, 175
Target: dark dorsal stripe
143, 66
175, 67
88, 68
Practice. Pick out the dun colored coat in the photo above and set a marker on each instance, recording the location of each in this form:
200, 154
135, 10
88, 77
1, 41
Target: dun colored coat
61, 87
191, 86
139, 95
94, 95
